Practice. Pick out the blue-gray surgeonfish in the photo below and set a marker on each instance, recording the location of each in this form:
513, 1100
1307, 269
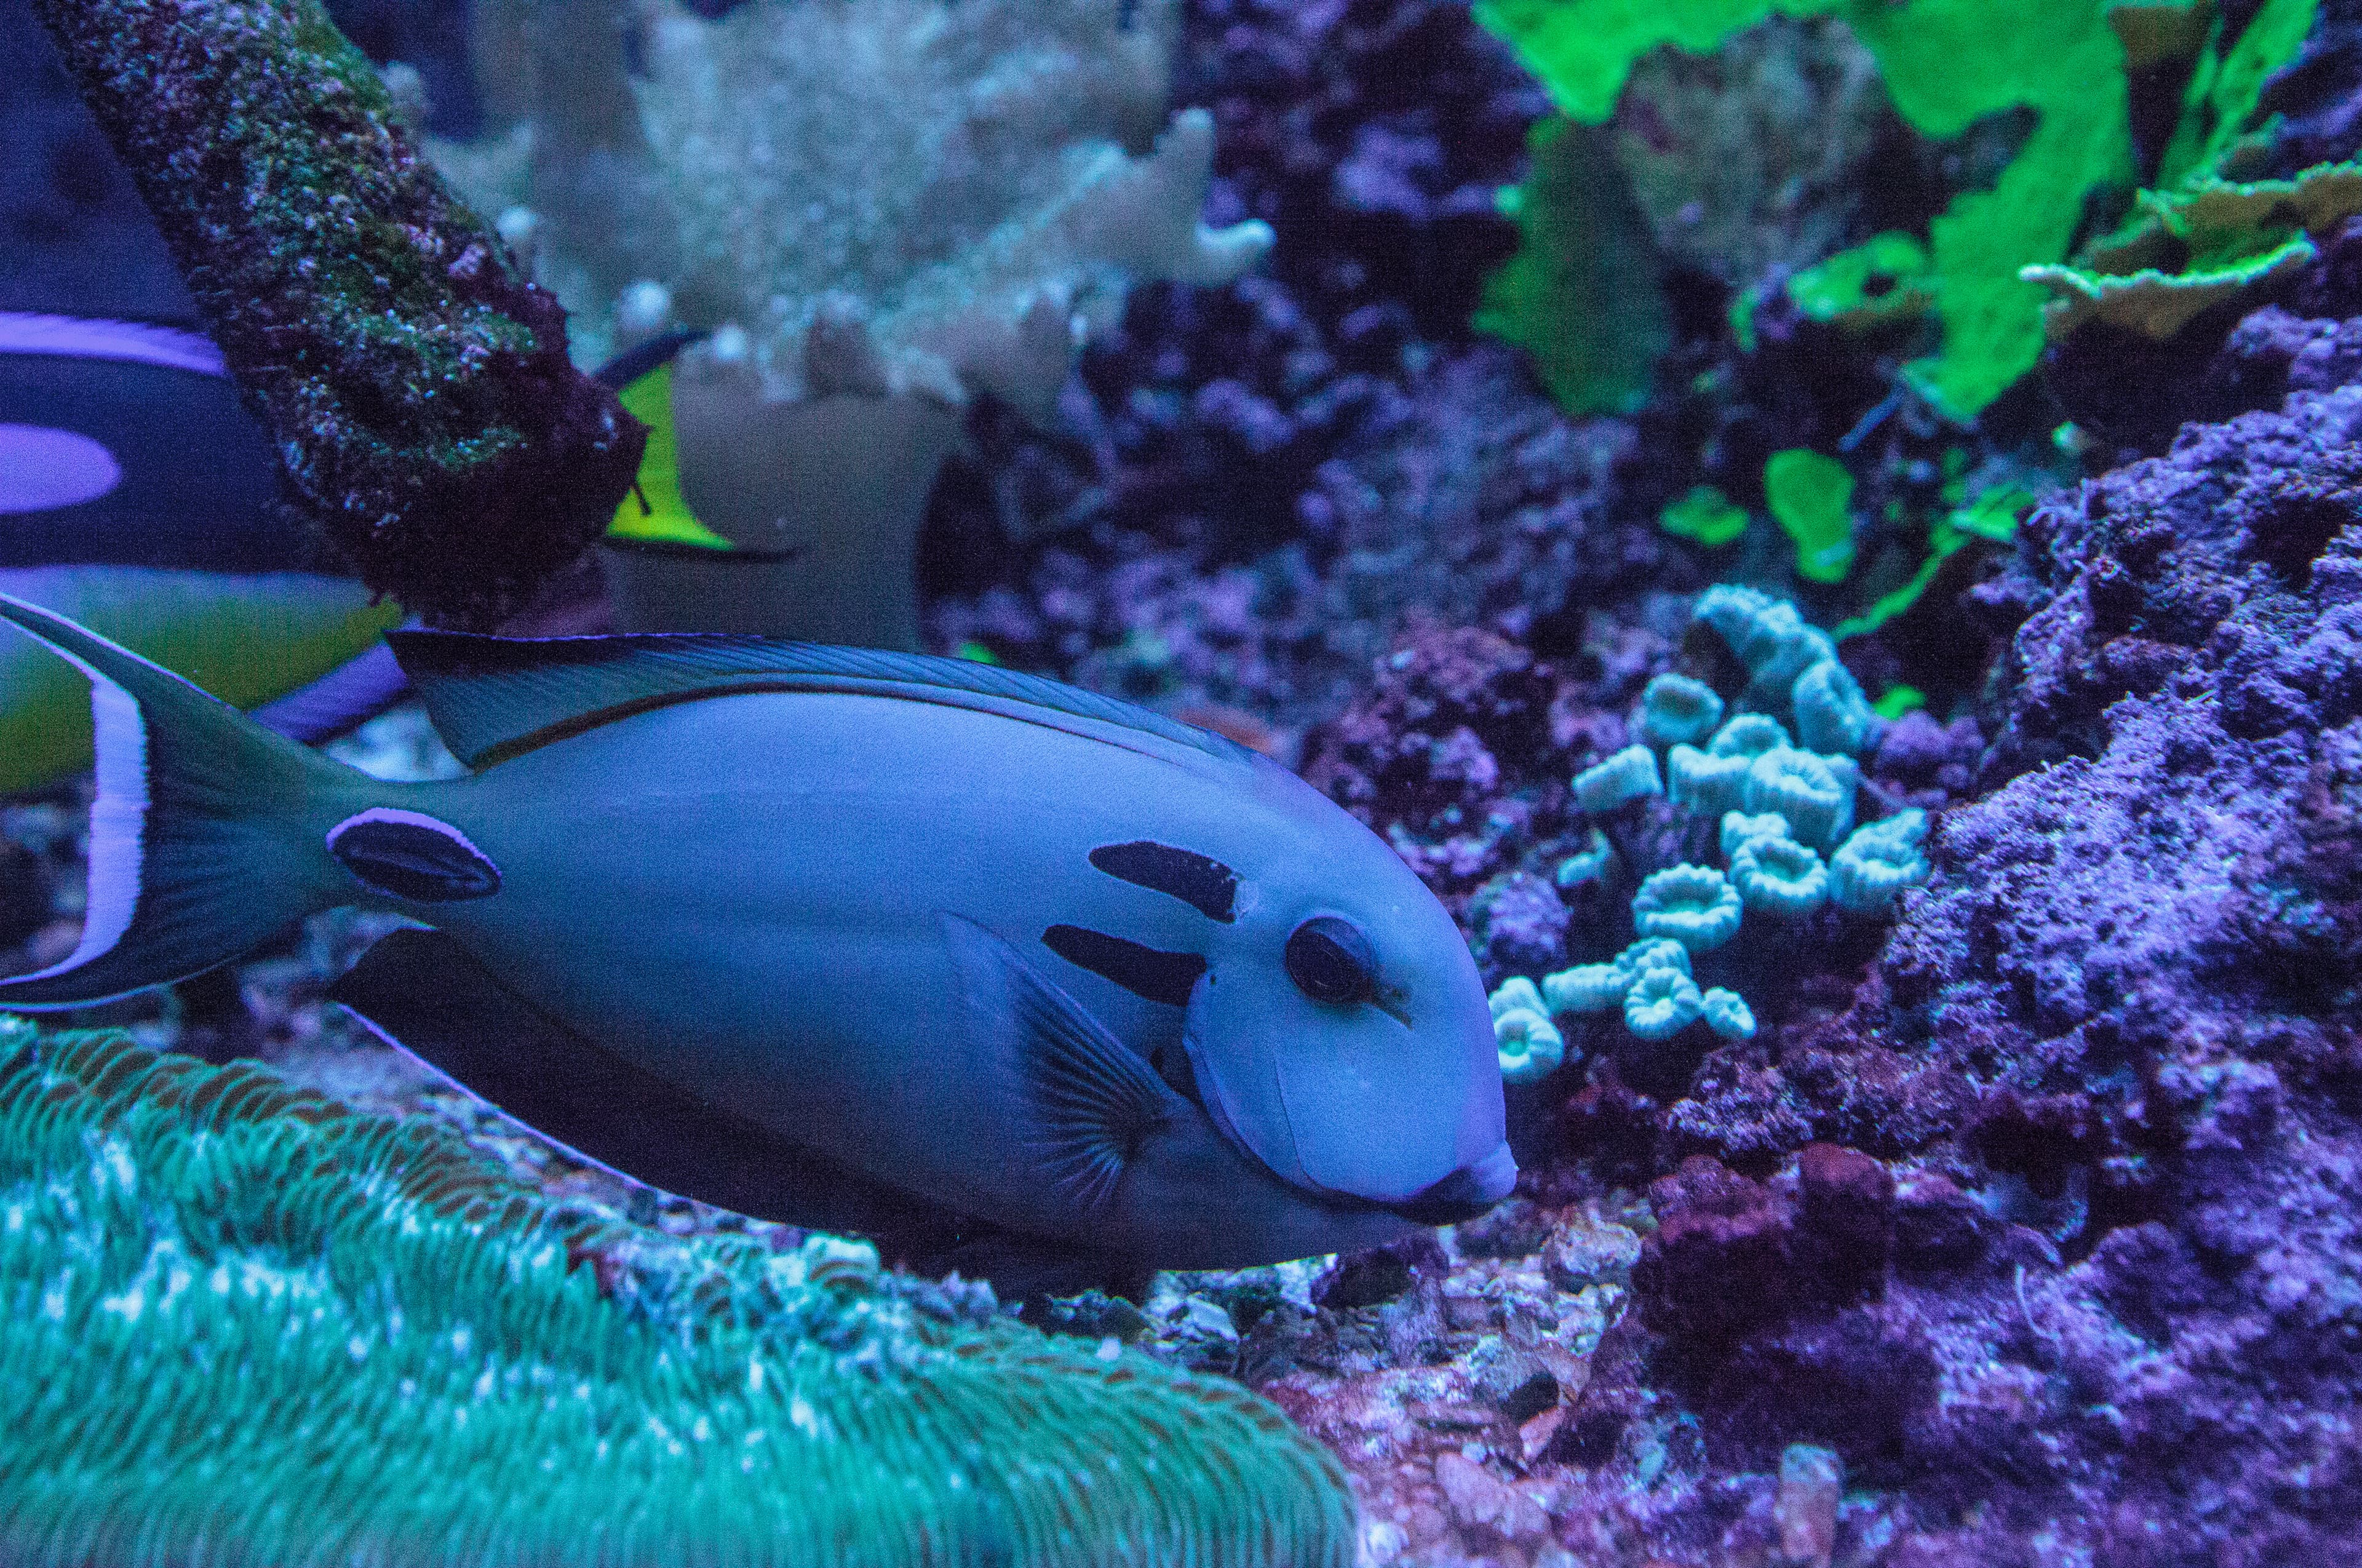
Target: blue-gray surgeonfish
943, 939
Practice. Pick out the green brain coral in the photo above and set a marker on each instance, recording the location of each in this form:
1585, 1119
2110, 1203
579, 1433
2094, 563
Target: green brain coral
241, 1323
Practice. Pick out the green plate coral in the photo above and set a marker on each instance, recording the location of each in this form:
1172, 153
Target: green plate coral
2190, 248
243, 1324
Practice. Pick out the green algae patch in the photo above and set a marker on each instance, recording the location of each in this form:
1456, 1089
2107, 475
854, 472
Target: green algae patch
1581, 295
1881, 280
1947, 64
1706, 514
1811, 496
246, 1325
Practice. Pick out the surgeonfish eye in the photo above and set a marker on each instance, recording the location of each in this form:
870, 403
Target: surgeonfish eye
1330, 960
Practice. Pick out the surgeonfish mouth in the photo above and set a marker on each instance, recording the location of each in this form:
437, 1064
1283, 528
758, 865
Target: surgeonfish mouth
1211, 888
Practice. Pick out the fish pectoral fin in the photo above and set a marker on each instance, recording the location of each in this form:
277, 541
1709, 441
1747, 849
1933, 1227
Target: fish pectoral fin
1092, 1098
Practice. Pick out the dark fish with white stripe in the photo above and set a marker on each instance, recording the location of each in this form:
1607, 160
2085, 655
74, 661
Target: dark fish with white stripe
929, 940
138, 498
123, 442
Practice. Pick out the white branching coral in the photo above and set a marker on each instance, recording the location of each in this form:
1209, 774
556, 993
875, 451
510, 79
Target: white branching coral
879, 208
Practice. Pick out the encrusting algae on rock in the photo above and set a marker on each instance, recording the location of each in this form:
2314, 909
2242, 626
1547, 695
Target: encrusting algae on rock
415, 382
243, 1323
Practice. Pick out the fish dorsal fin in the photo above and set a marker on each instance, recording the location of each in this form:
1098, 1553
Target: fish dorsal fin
492, 698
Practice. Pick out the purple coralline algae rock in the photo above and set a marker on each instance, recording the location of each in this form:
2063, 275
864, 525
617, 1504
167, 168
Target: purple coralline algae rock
2115, 1042
1519, 924
1732, 1255
1925, 764
1420, 758
2037, 1206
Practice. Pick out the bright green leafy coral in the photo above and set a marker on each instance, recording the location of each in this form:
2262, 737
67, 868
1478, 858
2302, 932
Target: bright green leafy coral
1811, 496
2201, 238
1947, 64
1991, 513
2155, 302
1582, 49
244, 1325
2226, 86
1898, 701
1704, 515
1883, 279
1581, 295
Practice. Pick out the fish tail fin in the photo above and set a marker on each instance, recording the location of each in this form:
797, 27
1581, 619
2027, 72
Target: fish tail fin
203, 836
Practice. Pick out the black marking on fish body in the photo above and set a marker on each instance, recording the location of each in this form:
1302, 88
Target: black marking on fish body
1144, 971
409, 856
1198, 880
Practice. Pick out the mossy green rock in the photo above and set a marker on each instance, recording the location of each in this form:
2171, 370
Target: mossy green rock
415, 384
241, 1323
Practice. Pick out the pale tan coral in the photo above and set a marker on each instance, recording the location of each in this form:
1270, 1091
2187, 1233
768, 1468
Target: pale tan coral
897, 204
